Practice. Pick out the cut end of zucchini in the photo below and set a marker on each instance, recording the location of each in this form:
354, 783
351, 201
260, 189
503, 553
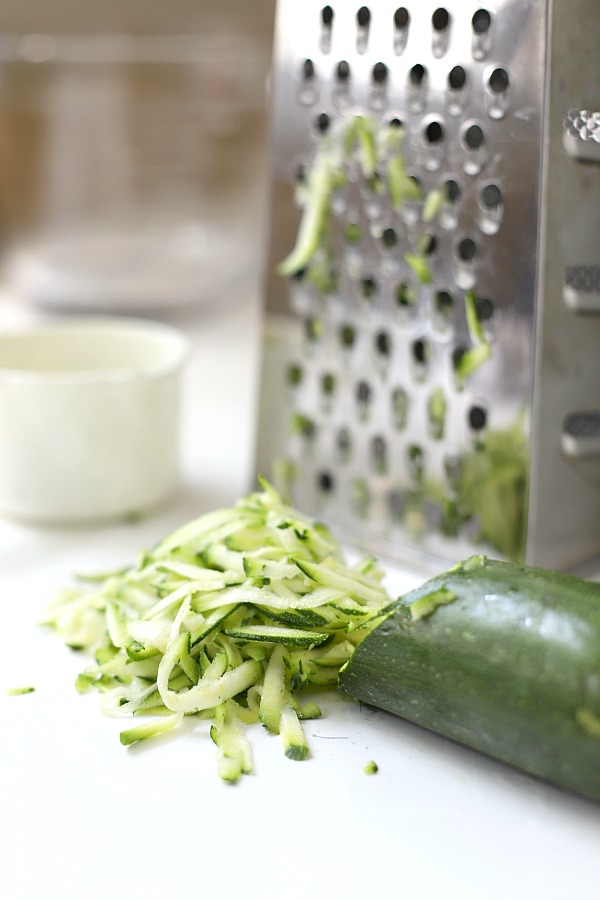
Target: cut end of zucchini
292, 734
508, 665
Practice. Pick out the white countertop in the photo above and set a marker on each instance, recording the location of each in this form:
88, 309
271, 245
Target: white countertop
87, 819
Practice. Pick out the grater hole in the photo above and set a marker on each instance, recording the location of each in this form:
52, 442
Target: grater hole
313, 328
440, 23
343, 442
582, 425
457, 357
395, 122
389, 238
428, 244
300, 174
343, 71
443, 308
477, 418
585, 279
448, 215
440, 19
383, 343
433, 136
361, 496
401, 23
451, 191
308, 70
481, 24
363, 17
375, 185
328, 383
327, 16
379, 454
299, 275
352, 233
294, 374
498, 81
363, 22
303, 426
396, 504
466, 249
420, 351
399, 403
363, 396
416, 462
457, 78
347, 335
481, 21
473, 137
369, 287
325, 482
404, 294
444, 304
322, 123
402, 18
434, 132
491, 196
380, 73
417, 75
484, 308
453, 471
436, 413
363, 392
491, 208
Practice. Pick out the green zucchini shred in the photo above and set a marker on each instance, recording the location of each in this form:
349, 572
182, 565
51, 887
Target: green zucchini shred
150, 729
432, 205
428, 604
358, 146
227, 619
589, 721
420, 267
292, 734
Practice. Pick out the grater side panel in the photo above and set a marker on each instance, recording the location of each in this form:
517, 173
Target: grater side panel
565, 490
367, 491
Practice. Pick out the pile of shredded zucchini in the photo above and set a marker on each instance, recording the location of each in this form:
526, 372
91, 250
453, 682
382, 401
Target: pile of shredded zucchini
228, 618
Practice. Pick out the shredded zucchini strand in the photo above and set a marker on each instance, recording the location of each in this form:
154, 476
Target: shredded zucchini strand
229, 618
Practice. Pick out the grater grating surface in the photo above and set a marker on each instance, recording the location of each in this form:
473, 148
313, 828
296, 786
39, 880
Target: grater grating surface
364, 420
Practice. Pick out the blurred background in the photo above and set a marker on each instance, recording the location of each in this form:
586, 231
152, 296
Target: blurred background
132, 149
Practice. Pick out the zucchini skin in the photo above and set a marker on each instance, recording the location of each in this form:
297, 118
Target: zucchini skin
510, 667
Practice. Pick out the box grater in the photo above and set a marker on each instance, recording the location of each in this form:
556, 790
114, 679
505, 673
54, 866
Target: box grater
431, 367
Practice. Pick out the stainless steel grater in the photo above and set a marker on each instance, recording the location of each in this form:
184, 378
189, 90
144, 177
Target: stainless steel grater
369, 416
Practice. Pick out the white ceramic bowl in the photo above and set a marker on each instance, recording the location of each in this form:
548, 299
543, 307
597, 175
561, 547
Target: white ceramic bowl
89, 418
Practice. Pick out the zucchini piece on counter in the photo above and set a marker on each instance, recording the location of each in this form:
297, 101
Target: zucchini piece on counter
226, 619
501, 657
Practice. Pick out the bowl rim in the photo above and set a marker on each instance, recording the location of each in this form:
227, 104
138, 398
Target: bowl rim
177, 350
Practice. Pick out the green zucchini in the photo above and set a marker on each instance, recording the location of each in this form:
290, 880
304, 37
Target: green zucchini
279, 634
292, 736
500, 657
